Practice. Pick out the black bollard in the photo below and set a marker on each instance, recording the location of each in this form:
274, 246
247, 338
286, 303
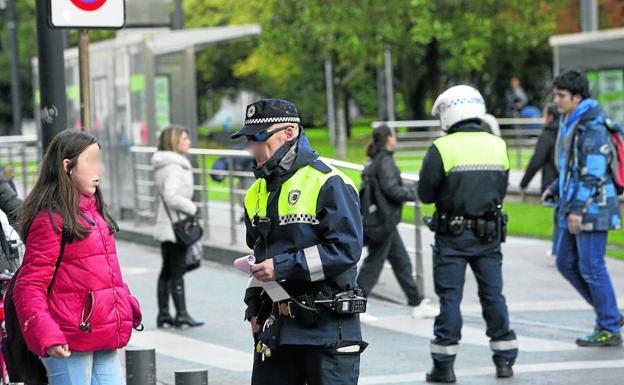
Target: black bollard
191, 377
141, 366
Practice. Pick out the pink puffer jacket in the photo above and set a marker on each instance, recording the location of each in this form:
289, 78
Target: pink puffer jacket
88, 288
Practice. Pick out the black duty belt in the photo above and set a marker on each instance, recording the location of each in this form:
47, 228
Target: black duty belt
487, 228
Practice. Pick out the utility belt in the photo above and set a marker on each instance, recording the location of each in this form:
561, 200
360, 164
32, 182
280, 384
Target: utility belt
488, 228
305, 310
347, 302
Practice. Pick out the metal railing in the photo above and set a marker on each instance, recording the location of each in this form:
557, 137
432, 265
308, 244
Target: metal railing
415, 143
146, 197
22, 154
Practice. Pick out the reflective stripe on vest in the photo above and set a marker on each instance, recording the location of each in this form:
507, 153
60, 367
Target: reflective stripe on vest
472, 151
298, 197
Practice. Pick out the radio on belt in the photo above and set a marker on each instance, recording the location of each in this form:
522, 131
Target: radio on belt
348, 302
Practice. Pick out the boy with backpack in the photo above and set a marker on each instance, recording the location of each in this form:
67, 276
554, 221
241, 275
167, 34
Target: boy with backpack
588, 204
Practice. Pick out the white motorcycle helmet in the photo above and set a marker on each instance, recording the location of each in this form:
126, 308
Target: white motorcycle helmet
457, 104
491, 121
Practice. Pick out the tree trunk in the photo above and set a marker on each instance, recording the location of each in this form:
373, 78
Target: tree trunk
382, 108
330, 99
348, 113
341, 122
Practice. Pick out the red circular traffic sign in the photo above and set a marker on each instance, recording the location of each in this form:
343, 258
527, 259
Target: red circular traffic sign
89, 5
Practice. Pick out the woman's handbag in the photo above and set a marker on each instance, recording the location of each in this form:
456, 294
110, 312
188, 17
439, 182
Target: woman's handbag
194, 256
187, 230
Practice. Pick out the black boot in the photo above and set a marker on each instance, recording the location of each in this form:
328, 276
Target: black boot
504, 371
182, 317
440, 374
164, 318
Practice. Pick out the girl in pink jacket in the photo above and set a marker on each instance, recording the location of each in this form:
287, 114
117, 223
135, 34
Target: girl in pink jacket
89, 312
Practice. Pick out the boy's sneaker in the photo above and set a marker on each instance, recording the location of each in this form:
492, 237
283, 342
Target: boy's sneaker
599, 338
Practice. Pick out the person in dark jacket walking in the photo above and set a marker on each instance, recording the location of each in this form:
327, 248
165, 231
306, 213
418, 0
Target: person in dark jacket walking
544, 159
9, 202
381, 166
544, 156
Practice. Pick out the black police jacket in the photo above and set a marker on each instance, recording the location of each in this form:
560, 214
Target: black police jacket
335, 240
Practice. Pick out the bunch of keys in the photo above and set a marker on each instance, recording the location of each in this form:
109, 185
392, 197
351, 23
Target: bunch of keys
264, 350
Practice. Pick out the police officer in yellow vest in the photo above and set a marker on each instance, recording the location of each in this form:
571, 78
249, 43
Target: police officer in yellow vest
465, 173
303, 224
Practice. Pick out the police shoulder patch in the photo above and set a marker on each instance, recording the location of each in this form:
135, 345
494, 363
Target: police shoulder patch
293, 197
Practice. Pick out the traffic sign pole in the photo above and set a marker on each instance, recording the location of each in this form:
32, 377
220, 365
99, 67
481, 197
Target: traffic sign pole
51, 76
85, 81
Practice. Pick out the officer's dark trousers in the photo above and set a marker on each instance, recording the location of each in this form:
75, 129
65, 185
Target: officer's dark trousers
449, 269
394, 251
311, 365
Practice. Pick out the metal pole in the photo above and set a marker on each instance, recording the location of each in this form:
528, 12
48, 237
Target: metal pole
24, 171
556, 61
420, 276
135, 186
589, 15
178, 15
191, 377
331, 104
51, 76
16, 99
204, 195
233, 238
85, 81
389, 82
141, 366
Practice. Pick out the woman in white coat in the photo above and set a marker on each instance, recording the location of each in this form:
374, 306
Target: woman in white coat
173, 175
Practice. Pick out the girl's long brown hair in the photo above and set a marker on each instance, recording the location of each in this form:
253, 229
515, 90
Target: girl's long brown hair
54, 190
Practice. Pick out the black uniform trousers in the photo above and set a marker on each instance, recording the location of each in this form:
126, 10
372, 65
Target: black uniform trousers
306, 365
449, 270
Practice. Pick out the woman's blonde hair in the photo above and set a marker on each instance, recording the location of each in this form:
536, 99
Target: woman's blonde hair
170, 138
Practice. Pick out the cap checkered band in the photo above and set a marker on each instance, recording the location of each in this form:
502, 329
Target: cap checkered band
298, 218
279, 119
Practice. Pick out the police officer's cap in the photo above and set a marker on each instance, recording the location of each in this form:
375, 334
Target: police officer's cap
266, 112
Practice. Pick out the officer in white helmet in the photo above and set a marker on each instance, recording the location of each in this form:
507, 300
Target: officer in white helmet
465, 174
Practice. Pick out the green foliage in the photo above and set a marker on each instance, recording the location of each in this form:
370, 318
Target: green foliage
27, 48
435, 43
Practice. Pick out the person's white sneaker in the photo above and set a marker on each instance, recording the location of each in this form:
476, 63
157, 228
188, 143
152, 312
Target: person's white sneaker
552, 259
425, 310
